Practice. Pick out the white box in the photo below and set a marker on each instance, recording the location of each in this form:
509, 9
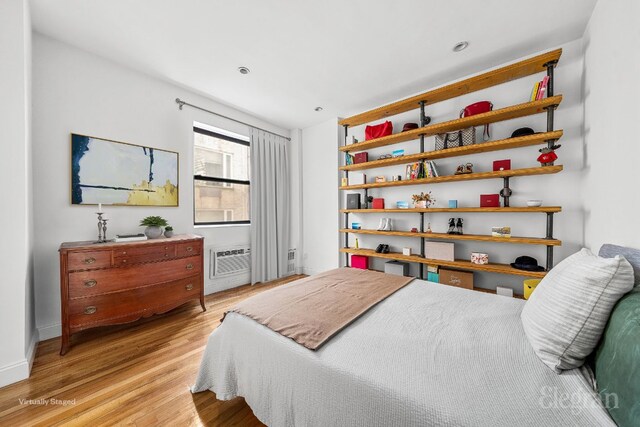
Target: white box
505, 292
357, 178
406, 251
398, 268
439, 250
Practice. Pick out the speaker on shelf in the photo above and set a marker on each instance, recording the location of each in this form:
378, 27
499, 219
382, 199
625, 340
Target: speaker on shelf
353, 201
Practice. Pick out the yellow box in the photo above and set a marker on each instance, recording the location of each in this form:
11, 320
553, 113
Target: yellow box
530, 286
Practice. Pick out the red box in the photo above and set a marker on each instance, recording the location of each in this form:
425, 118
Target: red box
361, 158
360, 261
378, 203
489, 200
502, 165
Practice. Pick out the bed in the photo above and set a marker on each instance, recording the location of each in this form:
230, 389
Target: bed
427, 355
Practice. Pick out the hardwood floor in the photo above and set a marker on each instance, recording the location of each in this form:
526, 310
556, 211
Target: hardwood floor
137, 374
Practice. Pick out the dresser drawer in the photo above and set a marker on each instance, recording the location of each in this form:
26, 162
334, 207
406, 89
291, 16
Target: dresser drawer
138, 255
188, 249
89, 260
85, 283
137, 302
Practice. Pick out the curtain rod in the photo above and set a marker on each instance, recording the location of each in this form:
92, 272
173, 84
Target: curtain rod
182, 103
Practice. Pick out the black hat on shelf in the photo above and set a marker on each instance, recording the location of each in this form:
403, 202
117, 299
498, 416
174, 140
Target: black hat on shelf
526, 263
522, 132
409, 126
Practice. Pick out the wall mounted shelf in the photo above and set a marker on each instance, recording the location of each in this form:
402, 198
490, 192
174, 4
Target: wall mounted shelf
444, 236
527, 67
540, 63
461, 264
542, 170
502, 114
485, 147
510, 209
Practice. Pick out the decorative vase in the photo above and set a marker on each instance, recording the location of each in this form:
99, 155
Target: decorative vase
168, 233
153, 232
422, 204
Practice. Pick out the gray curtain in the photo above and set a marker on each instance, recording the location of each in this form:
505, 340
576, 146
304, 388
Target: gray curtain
269, 206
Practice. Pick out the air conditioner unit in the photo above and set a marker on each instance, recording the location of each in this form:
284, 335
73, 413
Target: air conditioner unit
229, 261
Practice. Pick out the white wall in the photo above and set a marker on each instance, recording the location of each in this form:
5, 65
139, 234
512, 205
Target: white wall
16, 253
320, 197
78, 92
612, 150
321, 181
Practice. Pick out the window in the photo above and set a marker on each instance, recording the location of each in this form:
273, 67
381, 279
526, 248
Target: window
221, 177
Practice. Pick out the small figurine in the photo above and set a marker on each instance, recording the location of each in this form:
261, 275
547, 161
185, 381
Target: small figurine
548, 155
414, 230
429, 228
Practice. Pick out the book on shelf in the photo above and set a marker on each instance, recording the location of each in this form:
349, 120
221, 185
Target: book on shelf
534, 91
349, 159
543, 88
129, 237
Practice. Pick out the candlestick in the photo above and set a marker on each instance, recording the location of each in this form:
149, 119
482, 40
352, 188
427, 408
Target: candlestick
100, 207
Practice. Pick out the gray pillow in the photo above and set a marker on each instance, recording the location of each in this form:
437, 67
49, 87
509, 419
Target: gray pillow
566, 314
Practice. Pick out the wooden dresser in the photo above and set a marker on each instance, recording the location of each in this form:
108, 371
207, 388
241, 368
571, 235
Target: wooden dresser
115, 283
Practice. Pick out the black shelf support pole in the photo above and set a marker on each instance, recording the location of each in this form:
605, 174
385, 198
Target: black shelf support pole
551, 109
423, 123
506, 192
549, 236
422, 244
346, 214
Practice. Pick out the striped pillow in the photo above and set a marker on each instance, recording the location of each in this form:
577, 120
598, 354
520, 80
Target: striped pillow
566, 314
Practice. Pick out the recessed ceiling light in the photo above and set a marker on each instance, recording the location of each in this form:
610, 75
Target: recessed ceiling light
460, 46
318, 108
244, 70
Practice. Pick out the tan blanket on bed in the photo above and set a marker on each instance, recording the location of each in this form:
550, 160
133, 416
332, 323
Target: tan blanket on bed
312, 310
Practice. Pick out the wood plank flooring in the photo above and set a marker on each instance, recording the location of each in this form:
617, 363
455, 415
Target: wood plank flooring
137, 374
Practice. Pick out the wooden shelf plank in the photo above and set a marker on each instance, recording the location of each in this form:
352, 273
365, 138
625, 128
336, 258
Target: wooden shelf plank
460, 264
542, 170
485, 147
444, 236
507, 113
491, 78
515, 209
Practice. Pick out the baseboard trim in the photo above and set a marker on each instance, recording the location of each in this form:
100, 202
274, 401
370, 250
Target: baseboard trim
22, 369
49, 331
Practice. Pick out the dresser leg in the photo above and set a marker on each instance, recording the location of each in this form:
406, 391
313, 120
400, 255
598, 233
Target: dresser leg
204, 308
65, 343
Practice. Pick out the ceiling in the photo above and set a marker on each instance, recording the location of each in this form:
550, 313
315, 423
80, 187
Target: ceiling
344, 55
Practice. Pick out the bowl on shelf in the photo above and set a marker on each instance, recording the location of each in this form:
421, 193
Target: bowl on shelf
534, 203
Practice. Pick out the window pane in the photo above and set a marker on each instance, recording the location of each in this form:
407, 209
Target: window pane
218, 202
219, 158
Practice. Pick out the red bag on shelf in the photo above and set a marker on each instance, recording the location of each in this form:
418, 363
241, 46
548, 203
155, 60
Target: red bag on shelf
378, 131
478, 108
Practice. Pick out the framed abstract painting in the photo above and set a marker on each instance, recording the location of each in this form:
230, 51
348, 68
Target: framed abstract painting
117, 173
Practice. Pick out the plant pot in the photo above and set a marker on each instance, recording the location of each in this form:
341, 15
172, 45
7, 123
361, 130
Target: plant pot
168, 233
153, 232
422, 204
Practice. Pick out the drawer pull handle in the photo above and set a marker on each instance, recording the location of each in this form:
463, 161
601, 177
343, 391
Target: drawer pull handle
189, 286
124, 252
90, 310
90, 260
124, 261
90, 283
189, 266
189, 249
166, 247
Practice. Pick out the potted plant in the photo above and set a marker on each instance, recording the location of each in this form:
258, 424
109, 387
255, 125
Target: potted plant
168, 231
423, 200
154, 226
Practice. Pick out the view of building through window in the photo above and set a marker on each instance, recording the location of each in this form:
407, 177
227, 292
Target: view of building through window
221, 178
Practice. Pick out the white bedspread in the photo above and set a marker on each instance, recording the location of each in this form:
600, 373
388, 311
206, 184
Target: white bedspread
428, 355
